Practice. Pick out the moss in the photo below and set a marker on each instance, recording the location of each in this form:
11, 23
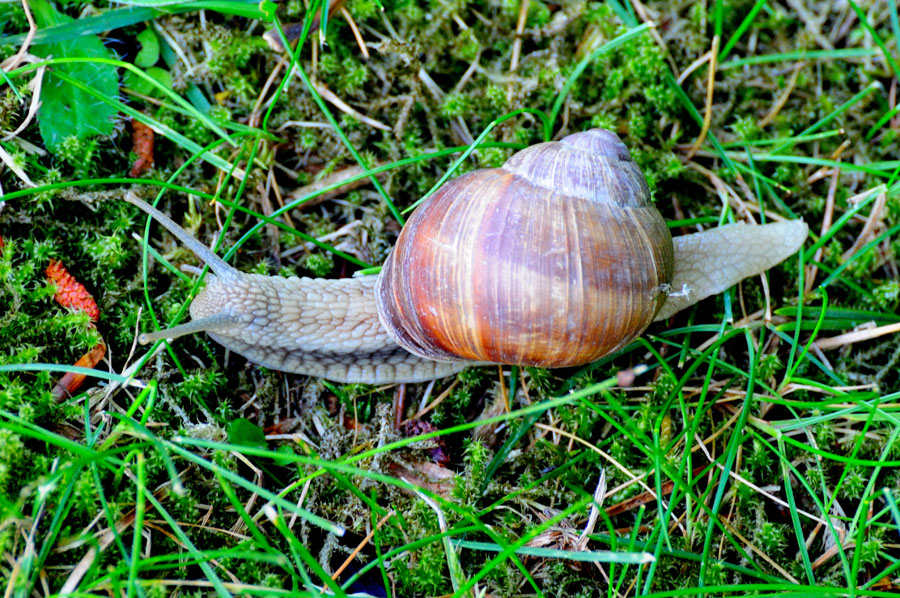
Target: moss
625, 90
456, 105
199, 385
771, 538
12, 458
469, 483
319, 265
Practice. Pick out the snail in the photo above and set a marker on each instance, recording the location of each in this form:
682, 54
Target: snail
555, 259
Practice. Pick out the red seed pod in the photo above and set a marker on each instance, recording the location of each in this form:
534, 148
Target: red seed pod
71, 293
142, 137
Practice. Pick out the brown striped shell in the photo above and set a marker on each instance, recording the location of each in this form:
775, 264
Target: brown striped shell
555, 259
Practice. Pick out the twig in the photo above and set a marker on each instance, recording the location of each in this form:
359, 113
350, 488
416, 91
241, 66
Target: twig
35, 84
13, 62
361, 545
728, 195
437, 401
356, 34
11, 164
871, 222
333, 179
826, 170
892, 103
813, 270
596, 504
275, 75
785, 95
856, 336
693, 67
338, 103
517, 43
710, 88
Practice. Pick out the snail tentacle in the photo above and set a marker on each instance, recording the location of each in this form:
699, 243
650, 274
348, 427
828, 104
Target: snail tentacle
207, 324
217, 264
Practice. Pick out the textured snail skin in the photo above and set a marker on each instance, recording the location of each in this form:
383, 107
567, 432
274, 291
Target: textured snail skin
317, 327
332, 329
707, 263
309, 326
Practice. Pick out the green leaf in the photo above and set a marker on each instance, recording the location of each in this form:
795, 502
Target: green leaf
289, 456
68, 30
243, 431
66, 111
197, 99
238, 8
149, 53
144, 87
268, 8
161, 75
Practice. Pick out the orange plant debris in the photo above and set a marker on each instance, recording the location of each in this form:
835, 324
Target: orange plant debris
71, 293
142, 137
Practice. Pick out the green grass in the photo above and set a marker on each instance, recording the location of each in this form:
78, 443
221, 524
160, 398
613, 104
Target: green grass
741, 459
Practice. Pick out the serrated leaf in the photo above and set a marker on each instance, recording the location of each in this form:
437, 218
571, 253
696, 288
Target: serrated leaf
66, 111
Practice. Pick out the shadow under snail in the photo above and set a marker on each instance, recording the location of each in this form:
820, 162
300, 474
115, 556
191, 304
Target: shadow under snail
556, 259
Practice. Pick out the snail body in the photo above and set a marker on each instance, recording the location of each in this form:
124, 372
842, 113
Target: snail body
555, 259
311, 326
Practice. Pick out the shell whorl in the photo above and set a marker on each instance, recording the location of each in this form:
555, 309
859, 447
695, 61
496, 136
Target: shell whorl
594, 165
555, 259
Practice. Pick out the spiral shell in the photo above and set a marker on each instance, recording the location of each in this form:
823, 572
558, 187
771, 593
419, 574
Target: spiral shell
555, 259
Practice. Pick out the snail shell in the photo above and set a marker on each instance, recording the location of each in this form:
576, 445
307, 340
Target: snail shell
555, 259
